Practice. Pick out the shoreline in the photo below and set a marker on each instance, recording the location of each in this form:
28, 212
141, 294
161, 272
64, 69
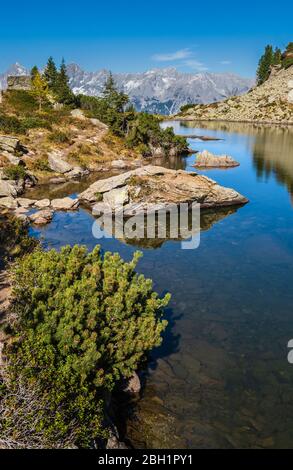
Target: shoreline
278, 123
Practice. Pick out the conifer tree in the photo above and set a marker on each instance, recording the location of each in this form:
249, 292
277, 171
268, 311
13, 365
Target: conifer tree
34, 71
277, 59
288, 56
264, 66
63, 90
114, 99
51, 74
39, 88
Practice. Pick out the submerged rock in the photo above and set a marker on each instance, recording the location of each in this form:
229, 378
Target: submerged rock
206, 159
77, 172
41, 217
156, 187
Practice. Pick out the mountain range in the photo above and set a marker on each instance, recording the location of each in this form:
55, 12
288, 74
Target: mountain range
161, 91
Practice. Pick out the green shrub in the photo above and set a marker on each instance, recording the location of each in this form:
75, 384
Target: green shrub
144, 150
14, 239
35, 123
14, 172
81, 323
146, 130
59, 137
41, 164
21, 101
11, 125
99, 197
186, 107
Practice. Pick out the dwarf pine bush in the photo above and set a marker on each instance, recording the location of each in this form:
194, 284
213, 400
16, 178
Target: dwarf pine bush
83, 321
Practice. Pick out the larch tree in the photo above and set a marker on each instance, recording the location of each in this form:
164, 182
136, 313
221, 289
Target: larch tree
40, 88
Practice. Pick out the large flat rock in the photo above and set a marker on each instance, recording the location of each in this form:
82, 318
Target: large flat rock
154, 186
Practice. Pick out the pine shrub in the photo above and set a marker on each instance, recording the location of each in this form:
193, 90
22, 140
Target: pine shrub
83, 321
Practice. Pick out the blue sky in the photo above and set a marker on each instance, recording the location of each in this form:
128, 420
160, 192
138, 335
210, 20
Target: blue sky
128, 35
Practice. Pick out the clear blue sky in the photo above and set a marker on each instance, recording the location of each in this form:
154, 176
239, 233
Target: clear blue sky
137, 35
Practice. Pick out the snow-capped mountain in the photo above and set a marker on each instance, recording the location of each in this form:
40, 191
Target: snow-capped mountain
161, 91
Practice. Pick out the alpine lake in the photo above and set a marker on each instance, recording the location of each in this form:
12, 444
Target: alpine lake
221, 378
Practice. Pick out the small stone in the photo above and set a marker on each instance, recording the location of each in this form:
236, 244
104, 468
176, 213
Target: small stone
43, 203
133, 385
119, 164
65, 204
25, 202
78, 114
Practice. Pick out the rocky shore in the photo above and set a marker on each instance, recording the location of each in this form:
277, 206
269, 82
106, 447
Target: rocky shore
271, 103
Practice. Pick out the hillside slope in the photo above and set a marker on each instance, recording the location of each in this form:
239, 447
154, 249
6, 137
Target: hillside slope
271, 102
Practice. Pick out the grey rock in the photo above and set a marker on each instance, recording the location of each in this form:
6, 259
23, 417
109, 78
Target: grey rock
21, 210
114, 443
9, 188
119, 164
77, 172
12, 159
152, 188
43, 203
105, 185
25, 202
206, 159
133, 385
100, 208
8, 202
116, 197
78, 114
10, 144
21, 82
65, 204
57, 164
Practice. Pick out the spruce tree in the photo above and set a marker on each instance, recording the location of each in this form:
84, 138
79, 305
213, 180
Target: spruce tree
34, 72
51, 74
277, 59
264, 65
63, 90
288, 56
114, 99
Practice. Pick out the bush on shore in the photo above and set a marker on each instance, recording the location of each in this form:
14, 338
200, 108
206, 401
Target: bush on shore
82, 321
